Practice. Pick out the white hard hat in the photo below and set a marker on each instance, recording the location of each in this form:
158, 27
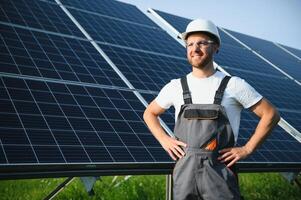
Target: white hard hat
201, 25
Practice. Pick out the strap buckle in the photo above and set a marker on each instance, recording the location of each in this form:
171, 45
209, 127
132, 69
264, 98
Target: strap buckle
186, 95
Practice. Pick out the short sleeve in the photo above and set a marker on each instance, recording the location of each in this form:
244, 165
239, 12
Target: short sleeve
245, 94
166, 95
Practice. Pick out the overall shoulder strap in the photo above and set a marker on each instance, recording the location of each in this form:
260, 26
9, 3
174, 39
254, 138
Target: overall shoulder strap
186, 92
221, 89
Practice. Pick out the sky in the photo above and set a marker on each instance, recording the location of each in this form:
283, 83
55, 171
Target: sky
274, 20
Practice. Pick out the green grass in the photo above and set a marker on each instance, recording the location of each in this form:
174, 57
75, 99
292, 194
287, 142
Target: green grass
271, 186
257, 186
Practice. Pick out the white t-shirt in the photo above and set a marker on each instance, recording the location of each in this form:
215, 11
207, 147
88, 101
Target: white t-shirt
238, 95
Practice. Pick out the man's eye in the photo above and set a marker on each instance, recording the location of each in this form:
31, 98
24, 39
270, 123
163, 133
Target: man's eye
203, 43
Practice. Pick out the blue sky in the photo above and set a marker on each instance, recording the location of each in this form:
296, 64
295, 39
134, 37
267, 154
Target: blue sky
274, 20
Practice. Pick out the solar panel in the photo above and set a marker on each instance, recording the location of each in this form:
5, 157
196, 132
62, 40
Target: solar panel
45, 122
270, 51
283, 92
33, 53
113, 9
144, 53
41, 15
147, 71
66, 109
241, 59
296, 52
139, 36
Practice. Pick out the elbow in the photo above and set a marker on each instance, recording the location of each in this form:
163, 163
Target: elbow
145, 114
275, 116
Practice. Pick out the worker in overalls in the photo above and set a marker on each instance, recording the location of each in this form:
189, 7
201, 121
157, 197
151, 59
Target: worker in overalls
207, 110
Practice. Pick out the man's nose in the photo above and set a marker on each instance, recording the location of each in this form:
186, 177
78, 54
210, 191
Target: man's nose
196, 48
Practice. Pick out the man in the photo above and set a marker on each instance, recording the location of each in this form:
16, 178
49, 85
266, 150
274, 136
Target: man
207, 105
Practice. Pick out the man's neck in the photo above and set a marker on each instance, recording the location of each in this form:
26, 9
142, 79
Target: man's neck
203, 72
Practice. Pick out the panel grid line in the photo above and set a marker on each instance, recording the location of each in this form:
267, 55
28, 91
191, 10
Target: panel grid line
110, 62
131, 129
81, 144
287, 51
85, 39
89, 120
260, 56
110, 17
37, 19
62, 57
42, 31
26, 77
41, 114
45, 53
2, 147
15, 109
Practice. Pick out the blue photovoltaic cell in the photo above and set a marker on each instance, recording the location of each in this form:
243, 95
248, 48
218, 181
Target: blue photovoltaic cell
168, 116
279, 146
144, 70
282, 92
238, 58
180, 23
297, 52
274, 54
38, 14
33, 53
110, 8
51, 122
127, 33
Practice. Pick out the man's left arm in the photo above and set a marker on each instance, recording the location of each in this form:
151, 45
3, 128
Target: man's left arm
269, 117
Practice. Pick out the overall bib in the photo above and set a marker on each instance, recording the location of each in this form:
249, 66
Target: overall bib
205, 129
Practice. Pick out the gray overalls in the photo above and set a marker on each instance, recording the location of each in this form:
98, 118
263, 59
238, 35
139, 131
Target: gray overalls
205, 129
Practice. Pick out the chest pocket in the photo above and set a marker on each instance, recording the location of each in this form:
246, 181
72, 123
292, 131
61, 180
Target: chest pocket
196, 114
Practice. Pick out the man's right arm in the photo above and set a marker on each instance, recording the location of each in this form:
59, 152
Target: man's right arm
170, 144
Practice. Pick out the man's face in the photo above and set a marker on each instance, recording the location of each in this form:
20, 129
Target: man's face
200, 50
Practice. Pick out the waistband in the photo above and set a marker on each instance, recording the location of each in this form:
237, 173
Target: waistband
202, 154
200, 151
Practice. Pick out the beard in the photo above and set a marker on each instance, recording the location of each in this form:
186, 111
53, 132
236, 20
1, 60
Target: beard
202, 62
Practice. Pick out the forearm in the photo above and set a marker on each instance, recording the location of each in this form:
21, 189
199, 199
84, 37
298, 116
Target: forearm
267, 122
170, 144
154, 126
265, 126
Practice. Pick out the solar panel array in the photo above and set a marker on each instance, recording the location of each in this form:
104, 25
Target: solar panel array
270, 51
283, 92
63, 104
65, 109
